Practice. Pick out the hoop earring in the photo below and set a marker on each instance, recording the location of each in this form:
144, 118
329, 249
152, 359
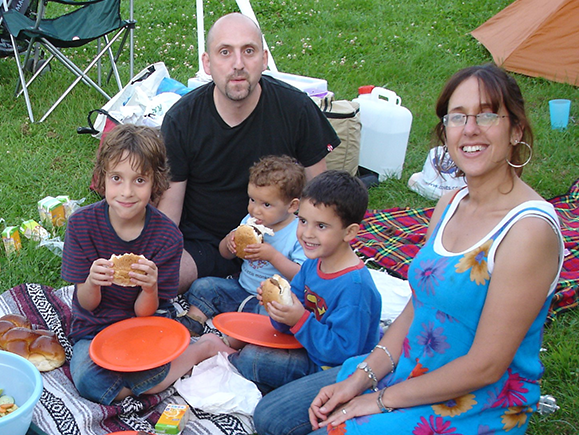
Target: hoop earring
528, 160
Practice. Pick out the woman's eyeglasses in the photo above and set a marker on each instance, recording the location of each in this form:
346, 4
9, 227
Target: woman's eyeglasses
485, 119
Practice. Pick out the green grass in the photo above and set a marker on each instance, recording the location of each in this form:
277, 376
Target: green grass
409, 47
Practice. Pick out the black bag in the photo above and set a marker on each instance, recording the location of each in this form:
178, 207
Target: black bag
110, 123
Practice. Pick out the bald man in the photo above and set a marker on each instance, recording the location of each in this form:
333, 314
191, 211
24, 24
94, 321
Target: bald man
216, 132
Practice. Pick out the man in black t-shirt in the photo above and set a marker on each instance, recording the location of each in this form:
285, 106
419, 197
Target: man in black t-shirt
216, 132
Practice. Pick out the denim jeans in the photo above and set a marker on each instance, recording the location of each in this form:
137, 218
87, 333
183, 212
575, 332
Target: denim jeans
101, 385
271, 368
220, 295
284, 411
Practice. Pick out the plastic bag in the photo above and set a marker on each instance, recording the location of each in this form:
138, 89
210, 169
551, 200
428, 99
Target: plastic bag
157, 107
216, 387
395, 293
128, 106
430, 183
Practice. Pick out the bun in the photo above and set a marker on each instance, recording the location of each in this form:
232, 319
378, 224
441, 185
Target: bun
276, 289
122, 267
40, 347
249, 234
246, 235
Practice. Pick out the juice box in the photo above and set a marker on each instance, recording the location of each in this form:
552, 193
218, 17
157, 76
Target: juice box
173, 419
65, 200
51, 212
33, 230
11, 239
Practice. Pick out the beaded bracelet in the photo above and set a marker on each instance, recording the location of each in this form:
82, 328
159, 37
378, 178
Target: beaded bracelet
387, 353
381, 404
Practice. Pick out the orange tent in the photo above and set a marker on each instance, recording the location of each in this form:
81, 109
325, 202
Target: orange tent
538, 38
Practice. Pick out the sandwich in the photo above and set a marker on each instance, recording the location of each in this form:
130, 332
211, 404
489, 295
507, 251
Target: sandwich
250, 233
276, 289
122, 267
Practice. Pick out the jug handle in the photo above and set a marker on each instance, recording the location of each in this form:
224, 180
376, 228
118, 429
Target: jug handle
387, 94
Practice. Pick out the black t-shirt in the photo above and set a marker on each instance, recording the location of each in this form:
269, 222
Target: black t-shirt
215, 158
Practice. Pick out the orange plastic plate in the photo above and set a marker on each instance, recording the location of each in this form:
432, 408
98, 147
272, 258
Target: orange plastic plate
139, 343
255, 329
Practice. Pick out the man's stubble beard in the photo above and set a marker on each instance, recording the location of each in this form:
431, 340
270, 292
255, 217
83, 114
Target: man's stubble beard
238, 95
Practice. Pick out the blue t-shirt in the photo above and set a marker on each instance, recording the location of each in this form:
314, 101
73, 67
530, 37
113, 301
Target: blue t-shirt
90, 236
344, 312
285, 241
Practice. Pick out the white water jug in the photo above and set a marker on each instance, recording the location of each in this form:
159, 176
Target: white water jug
385, 131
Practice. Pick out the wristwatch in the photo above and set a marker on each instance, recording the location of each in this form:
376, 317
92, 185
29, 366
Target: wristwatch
364, 366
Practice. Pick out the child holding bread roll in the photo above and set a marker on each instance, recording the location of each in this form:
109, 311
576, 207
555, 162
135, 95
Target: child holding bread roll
336, 307
275, 185
131, 172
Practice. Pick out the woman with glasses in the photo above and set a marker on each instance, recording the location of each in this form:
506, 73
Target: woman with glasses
463, 356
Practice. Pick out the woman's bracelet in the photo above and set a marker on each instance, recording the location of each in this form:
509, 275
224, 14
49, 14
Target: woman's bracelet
381, 404
385, 349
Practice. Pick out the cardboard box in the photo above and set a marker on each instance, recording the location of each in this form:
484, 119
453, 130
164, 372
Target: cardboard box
173, 419
51, 212
11, 239
33, 230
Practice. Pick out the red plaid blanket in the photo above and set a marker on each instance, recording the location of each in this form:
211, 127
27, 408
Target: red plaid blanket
391, 238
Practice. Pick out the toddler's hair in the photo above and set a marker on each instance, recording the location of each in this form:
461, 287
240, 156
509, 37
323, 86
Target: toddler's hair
346, 194
284, 172
146, 153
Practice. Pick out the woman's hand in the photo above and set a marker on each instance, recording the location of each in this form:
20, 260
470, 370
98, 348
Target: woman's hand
328, 405
365, 404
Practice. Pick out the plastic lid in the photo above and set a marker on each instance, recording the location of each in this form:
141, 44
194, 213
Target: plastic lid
365, 89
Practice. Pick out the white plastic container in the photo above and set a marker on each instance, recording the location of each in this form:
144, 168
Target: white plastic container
312, 86
385, 130
195, 82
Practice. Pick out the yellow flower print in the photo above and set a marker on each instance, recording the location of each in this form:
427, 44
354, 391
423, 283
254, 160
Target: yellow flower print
452, 408
515, 416
476, 260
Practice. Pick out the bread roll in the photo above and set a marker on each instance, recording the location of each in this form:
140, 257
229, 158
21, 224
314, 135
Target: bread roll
276, 289
40, 347
249, 234
246, 235
122, 267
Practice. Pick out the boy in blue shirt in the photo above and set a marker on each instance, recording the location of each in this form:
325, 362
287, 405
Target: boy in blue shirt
275, 186
336, 309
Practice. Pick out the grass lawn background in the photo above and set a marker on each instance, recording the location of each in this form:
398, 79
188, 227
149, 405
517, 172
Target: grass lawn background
409, 47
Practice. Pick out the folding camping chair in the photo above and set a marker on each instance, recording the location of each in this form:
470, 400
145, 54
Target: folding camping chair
24, 7
93, 20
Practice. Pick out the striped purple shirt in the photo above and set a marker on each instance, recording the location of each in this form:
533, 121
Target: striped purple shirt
90, 236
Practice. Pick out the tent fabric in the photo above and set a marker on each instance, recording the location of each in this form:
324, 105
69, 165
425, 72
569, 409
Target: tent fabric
537, 38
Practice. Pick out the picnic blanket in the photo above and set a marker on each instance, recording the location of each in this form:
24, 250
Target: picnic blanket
61, 410
391, 238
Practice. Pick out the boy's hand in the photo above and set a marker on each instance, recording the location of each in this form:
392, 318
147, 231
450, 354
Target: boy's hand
259, 292
147, 280
286, 314
231, 247
260, 251
101, 273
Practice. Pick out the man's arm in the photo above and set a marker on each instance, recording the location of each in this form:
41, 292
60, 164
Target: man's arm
171, 203
315, 169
